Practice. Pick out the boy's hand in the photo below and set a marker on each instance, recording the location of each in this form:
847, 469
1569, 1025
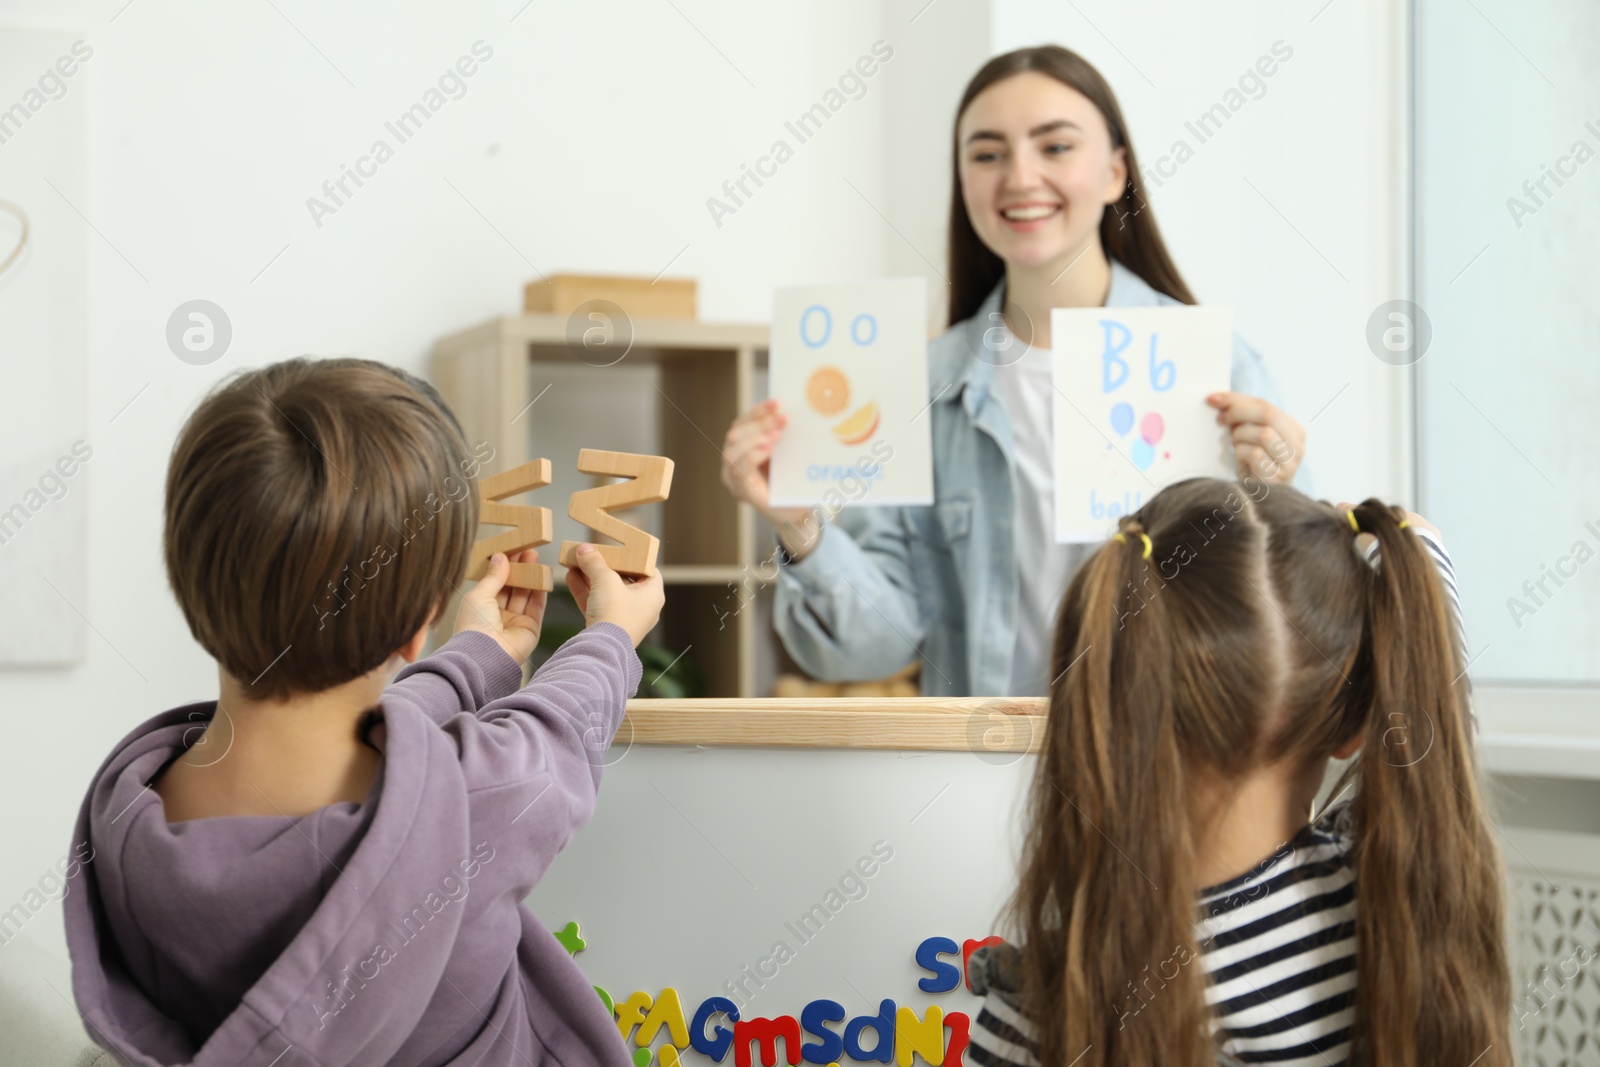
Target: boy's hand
509, 615
603, 595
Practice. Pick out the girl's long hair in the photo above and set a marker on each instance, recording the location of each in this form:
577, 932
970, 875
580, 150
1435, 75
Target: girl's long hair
1128, 231
1255, 633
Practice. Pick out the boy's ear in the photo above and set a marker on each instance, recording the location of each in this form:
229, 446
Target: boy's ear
411, 651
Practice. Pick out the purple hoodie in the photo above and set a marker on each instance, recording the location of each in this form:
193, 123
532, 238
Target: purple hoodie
386, 932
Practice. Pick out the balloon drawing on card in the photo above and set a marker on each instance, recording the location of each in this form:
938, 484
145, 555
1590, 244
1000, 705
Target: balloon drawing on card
849, 365
1151, 429
1130, 413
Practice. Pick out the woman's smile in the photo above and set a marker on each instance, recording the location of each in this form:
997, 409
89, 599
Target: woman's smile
1029, 216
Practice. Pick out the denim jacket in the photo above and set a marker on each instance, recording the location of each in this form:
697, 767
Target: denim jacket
886, 585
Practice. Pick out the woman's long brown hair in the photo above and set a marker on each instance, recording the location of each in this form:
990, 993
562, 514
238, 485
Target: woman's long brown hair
1255, 633
1128, 231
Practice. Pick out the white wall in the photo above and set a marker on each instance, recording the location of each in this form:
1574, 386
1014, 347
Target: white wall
939, 45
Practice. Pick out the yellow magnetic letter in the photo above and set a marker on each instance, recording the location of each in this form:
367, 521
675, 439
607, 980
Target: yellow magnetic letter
669, 1012
925, 1036
630, 1012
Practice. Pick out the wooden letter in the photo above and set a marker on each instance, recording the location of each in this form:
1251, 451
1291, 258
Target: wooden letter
532, 524
649, 482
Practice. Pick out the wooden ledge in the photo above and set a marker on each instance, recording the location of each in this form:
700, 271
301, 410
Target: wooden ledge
1558, 742
981, 725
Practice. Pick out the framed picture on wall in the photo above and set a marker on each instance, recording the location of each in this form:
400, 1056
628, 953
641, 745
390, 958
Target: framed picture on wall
44, 446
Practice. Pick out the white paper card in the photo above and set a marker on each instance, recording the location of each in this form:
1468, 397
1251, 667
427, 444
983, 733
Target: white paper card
1130, 410
850, 365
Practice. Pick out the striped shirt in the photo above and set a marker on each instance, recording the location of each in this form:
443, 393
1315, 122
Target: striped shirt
1277, 948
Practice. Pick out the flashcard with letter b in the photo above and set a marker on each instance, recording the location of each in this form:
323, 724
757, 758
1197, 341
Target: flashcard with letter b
1130, 408
850, 365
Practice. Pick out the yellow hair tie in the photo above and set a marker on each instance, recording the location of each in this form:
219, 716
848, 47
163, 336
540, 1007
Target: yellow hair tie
1404, 523
1148, 547
1354, 525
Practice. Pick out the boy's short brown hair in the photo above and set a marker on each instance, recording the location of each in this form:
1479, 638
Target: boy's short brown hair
317, 513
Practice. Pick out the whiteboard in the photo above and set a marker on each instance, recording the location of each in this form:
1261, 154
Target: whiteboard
1508, 277
699, 861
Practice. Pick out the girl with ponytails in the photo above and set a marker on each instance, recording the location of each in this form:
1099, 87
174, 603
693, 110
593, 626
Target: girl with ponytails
1185, 896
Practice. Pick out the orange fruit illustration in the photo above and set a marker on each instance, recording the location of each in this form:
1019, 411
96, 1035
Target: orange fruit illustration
860, 426
828, 390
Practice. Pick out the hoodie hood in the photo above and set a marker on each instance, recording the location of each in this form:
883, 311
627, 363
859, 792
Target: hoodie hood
175, 903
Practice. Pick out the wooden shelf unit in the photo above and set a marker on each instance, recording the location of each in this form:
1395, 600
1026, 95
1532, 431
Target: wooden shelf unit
706, 379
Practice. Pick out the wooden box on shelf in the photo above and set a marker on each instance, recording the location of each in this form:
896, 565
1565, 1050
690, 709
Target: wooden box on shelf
663, 298
708, 551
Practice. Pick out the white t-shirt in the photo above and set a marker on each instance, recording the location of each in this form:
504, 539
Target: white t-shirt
1043, 566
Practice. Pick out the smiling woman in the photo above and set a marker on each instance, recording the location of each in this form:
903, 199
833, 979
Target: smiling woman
1047, 210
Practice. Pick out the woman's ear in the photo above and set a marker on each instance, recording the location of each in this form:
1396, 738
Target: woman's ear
1117, 176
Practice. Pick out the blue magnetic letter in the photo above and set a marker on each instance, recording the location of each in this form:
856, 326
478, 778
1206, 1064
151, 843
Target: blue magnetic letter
943, 976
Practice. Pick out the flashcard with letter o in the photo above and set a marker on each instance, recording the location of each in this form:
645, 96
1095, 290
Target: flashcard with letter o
1130, 408
850, 365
